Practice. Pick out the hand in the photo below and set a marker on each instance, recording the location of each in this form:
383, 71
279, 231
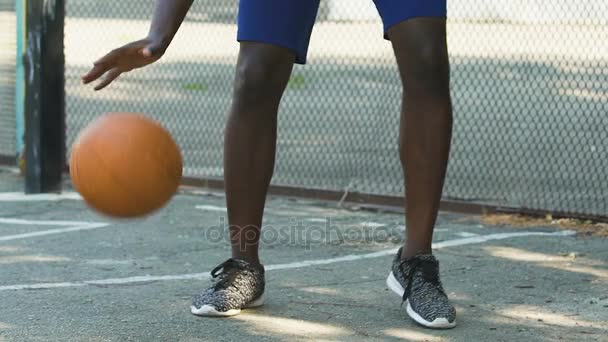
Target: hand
126, 58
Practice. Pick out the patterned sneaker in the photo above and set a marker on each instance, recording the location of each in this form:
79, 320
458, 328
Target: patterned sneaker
237, 285
416, 280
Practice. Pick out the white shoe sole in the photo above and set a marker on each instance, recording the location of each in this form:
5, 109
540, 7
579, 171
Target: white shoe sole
438, 323
210, 311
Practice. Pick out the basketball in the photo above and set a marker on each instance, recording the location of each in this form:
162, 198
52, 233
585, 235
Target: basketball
125, 165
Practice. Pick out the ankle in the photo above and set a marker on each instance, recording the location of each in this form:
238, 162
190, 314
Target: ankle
409, 252
251, 259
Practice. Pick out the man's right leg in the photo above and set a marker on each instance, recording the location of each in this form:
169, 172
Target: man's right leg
262, 73
273, 34
249, 147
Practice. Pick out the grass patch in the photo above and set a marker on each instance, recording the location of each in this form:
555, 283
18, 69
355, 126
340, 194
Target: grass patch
296, 82
583, 227
195, 87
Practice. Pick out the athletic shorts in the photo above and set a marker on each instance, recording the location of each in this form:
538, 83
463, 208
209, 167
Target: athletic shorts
289, 23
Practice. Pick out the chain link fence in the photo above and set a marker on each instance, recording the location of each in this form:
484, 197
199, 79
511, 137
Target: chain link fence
529, 83
8, 38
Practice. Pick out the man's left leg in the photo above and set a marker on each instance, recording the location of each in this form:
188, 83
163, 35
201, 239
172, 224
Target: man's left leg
426, 124
417, 30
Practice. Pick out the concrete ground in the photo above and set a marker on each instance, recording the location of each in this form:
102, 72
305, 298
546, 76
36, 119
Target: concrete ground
67, 274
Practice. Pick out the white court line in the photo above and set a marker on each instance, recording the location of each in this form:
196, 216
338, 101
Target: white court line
436, 230
300, 264
21, 197
211, 208
72, 226
372, 224
13, 170
105, 282
467, 234
42, 222
314, 219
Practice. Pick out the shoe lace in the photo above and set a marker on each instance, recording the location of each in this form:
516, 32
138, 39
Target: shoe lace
429, 271
225, 274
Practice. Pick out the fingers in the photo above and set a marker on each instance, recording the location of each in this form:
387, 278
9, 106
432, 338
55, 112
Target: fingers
109, 58
110, 76
94, 73
101, 66
123, 59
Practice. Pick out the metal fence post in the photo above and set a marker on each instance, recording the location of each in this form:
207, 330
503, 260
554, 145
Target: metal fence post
20, 14
45, 96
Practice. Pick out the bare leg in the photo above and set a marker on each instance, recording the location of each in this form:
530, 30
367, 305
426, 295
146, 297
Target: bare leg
250, 139
426, 123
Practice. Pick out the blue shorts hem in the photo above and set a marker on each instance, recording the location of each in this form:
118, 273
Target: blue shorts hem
300, 56
388, 27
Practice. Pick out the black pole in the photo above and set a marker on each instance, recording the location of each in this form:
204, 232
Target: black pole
45, 96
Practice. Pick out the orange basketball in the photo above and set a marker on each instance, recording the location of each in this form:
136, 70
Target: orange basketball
125, 165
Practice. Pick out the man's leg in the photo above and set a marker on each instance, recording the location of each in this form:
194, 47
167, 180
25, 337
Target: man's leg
262, 74
249, 149
425, 134
426, 123
273, 34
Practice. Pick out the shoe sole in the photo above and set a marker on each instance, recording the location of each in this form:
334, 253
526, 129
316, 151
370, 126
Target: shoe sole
210, 311
438, 323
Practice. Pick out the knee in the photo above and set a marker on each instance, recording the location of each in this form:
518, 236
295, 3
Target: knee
259, 81
430, 75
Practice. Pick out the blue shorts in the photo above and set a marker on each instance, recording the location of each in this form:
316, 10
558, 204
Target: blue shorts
289, 23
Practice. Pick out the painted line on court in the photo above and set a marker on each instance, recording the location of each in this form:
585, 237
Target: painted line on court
12, 170
42, 222
69, 226
436, 230
211, 208
369, 224
21, 197
107, 282
300, 264
315, 219
467, 234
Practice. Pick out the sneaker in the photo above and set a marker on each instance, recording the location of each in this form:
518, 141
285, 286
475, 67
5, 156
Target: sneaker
237, 285
416, 280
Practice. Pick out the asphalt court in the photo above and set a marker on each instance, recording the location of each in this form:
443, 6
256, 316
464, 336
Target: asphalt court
69, 274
